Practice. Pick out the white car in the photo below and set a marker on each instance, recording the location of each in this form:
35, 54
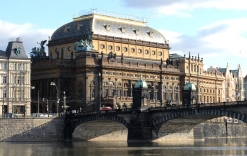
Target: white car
45, 115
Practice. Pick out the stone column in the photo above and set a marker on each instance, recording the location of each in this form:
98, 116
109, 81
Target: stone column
173, 92
102, 87
109, 87
130, 87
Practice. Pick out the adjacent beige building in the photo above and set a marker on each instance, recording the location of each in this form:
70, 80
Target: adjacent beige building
208, 84
233, 84
15, 79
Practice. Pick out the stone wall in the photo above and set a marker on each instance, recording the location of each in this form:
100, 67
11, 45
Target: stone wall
220, 130
31, 129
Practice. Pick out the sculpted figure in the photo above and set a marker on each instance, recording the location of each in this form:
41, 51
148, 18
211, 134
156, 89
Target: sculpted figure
42, 48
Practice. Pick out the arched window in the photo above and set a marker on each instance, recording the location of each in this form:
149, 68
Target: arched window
93, 93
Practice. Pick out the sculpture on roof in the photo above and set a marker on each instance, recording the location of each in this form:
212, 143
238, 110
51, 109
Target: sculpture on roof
37, 52
84, 45
111, 55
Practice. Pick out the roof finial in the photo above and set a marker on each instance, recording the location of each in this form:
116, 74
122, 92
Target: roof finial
189, 54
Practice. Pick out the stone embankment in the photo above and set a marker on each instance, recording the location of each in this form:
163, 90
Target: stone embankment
31, 129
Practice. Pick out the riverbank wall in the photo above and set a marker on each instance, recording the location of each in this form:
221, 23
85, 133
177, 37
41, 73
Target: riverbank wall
31, 129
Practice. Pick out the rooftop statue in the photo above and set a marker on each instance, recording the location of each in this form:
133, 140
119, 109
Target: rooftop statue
37, 52
42, 48
84, 45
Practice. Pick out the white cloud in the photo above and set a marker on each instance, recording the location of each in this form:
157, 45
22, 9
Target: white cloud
218, 43
171, 36
29, 33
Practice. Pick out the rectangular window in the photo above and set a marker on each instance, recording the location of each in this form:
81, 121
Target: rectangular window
120, 93
4, 79
113, 92
19, 66
19, 80
4, 93
106, 93
125, 93
93, 93
5, 66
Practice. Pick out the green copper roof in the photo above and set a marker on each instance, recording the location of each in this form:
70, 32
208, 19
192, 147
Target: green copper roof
175, 55
189, 86
141, 84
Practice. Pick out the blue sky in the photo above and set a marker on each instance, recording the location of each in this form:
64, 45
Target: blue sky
216, 29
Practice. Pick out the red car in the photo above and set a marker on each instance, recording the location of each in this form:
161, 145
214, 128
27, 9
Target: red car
106, 108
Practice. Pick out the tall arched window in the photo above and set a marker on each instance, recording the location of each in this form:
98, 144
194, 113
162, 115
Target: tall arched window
93, 93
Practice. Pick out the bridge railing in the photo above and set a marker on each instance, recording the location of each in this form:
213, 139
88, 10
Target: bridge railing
197, 105
113, 111
32, 115
164, 108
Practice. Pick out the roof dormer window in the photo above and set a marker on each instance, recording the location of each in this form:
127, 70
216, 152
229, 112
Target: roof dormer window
79, 26
107, 27
66, 29
122, 29
150, 34
137, 31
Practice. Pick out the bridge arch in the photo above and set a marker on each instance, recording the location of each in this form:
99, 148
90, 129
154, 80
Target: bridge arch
158, 121
72, 122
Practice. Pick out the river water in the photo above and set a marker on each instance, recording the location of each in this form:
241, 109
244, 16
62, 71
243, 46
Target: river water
209, 147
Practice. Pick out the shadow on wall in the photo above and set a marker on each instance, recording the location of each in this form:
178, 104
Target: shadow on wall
100, 130
180, 128
32, 129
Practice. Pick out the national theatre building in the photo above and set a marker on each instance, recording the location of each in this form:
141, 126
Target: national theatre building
96, 59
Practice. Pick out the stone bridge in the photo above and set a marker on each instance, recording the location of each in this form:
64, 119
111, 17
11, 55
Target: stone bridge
160, 122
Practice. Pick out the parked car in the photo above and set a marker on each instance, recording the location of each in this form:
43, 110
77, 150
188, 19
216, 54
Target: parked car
105, 108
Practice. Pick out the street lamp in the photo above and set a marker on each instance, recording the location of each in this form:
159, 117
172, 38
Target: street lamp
13, 98
116, 89
47, 106
100, 90
64, 102
54, 84
4, 95
38, 99
154, 91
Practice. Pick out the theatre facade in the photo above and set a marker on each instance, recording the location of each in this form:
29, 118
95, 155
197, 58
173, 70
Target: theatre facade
96, 59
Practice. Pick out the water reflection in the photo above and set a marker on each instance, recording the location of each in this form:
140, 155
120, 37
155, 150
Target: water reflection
233, 146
